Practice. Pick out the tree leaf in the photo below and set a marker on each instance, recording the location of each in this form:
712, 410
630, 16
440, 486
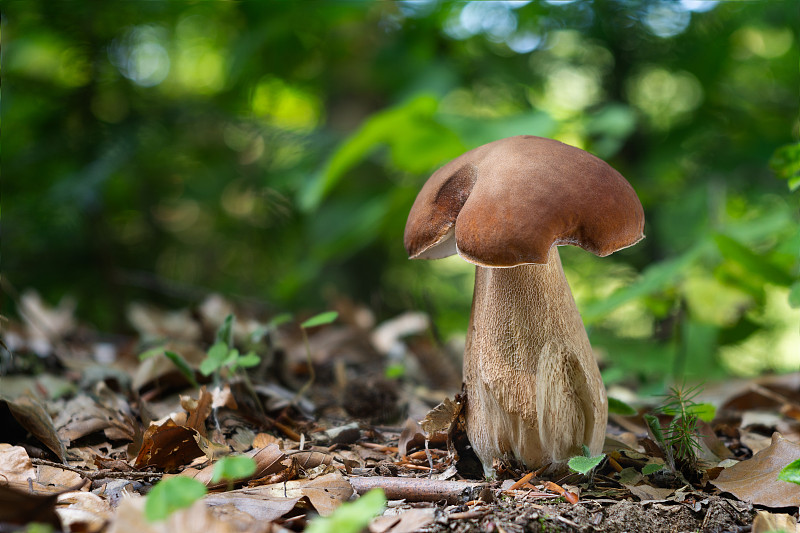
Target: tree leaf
172, 494
618, 407
320, 319
752, 262
584, 465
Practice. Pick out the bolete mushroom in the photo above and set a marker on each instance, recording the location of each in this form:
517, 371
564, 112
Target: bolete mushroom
533, 388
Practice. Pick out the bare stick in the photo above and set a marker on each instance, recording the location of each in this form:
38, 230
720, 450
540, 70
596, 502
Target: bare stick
419, 489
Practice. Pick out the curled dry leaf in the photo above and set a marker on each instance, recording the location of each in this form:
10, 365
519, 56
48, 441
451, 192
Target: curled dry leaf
755, 480
82, 416
198, 410
268, 462
168, 446
30, 414
407, 521
17, 471
83, 511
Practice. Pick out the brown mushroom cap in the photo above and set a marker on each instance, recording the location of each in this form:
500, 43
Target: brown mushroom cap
507, 202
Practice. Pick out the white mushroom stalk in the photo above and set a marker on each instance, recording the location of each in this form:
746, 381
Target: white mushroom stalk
534, 392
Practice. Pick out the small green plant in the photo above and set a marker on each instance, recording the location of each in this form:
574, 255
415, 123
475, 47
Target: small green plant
680, 439
317, 320
222, 355
232, 468
791, 472
169, 495
583, 464
351, 517
182, 365
618, 407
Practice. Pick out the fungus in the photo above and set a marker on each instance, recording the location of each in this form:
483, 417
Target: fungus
534, 391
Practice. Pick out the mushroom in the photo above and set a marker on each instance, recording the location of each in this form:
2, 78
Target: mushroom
534, 394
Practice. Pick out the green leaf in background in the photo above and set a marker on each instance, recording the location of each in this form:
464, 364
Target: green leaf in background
655, 427
320, 319
651, 468
215, 358
351, 517
618, 407
186, 370
225, 331
785, 162
584, 465
794, 295
279, 320
703, 411
152, 352
248, 360
232, 468
791, 472
753, 263
172, 494
417, 143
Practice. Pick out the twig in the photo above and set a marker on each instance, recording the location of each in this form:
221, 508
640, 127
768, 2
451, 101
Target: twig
419, 489
105, 473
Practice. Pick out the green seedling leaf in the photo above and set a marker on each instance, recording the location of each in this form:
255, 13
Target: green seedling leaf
225, 331
279, 320
186, 370
703, 411
791, 472
618, 407
231, 358
249, 360
232, 468
586, 451
655, 427
351, 517
651, 468
152, 352
395, 371
215, 358
172, 494
794, 295
320, 319
584, 465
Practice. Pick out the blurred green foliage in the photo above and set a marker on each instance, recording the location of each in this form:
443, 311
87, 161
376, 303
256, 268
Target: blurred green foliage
271, 151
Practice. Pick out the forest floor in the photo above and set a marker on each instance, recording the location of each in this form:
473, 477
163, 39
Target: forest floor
92, 422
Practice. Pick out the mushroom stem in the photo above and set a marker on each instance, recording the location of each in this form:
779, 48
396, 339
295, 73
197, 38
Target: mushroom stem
534, 392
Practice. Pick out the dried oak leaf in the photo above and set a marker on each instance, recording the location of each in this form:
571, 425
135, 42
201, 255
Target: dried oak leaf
168, 446
32, 417
756, 479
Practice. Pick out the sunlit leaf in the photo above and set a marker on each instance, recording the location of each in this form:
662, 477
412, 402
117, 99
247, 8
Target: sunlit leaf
584, 465
172, 494
618, 407
752, 262
351, 517
320, 319
233, 467
186, 370
791, 472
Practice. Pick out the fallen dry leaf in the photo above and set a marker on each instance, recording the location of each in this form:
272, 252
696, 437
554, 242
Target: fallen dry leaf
21, 507
766, 521
17, 471
30, 414
756, 479
198, 410
268, 462
83, 511
261, 507
325, 493
168, 446
407, 521
130, 518
83, 416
